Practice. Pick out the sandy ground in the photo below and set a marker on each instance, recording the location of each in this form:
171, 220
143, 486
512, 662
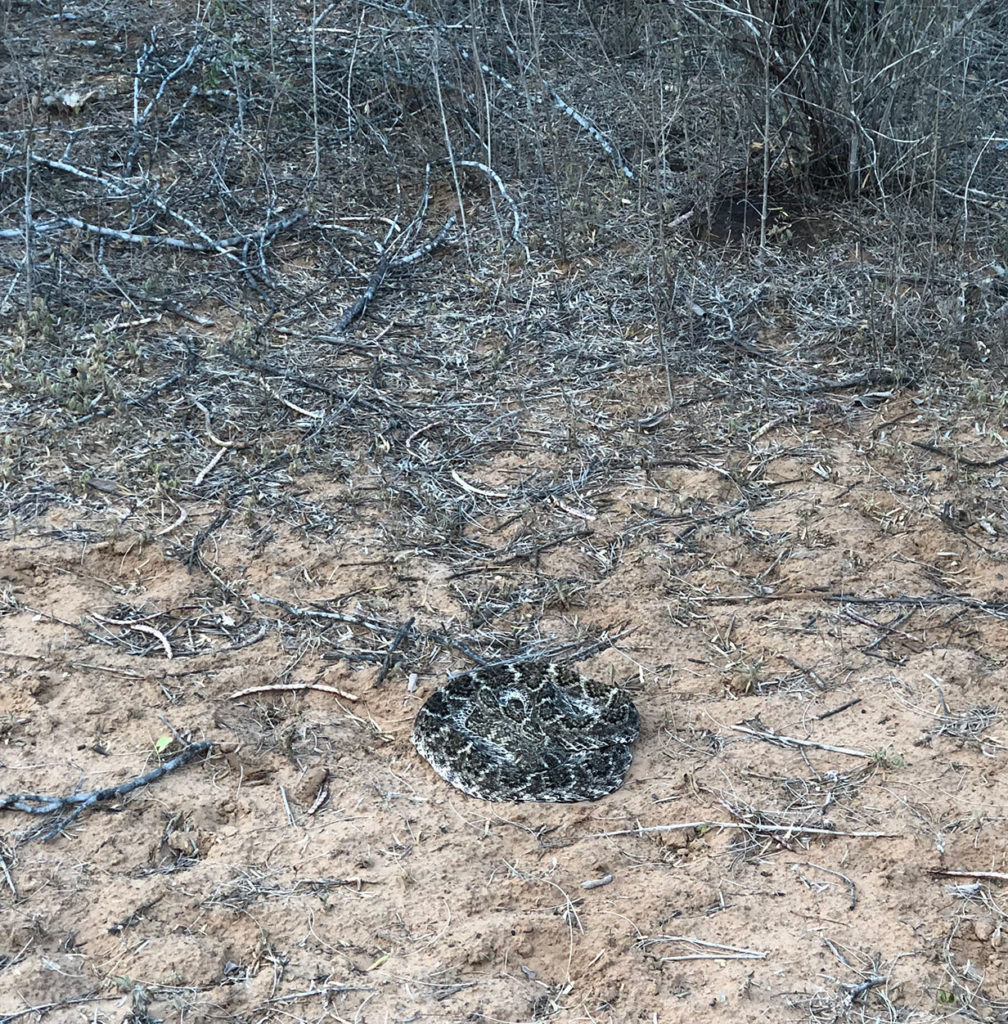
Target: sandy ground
813, 827
762, 490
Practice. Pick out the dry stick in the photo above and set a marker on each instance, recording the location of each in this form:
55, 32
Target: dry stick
789, 741
7, 876
496, 179
387, 660
795, 830
723, 952
219, 246
961, 459
140, 628
37, 803
997, 876
385, 264
292, 688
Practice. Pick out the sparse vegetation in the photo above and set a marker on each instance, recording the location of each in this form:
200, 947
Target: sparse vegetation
343, 346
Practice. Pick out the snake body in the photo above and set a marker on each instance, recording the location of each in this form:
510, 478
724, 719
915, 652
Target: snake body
528, 731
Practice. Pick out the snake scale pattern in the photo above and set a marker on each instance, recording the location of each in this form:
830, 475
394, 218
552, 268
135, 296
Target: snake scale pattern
528, 731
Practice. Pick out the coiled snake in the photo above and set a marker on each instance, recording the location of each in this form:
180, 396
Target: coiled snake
529, 731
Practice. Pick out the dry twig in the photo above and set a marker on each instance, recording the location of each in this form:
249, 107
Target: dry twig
36, 803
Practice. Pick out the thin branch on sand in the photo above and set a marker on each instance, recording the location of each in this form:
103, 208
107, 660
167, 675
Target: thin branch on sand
292, 688
37, 803
791, 830
763, 733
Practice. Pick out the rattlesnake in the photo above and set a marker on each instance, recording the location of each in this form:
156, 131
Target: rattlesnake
529, 731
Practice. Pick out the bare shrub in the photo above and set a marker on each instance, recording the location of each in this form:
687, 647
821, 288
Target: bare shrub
890, 97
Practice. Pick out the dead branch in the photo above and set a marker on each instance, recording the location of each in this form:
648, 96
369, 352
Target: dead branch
219, 246
756, 728
36, 803
997, 876
387, 263
794, 830
701, 949
387, 660
292, 688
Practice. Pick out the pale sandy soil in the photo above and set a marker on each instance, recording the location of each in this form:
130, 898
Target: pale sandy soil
762, 589
762, 490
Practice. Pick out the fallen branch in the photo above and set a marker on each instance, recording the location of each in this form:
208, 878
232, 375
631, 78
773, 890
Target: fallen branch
220, 245
794, 830
397, 640
997, 876
763, 733
959, 458
385, 264
292, 688
701, 949
37, 803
